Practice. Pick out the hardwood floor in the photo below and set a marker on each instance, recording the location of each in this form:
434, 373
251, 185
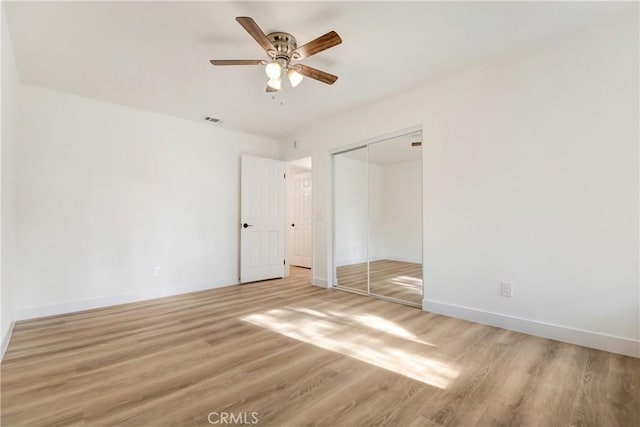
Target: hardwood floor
301, 355
394, 279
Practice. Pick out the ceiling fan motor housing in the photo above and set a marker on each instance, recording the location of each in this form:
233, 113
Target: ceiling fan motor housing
284, 43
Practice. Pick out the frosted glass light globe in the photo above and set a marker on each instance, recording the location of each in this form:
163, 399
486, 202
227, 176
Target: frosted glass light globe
275, 83
294, 77
273, 70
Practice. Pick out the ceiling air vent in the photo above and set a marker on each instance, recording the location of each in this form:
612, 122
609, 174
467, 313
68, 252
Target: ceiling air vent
212, 119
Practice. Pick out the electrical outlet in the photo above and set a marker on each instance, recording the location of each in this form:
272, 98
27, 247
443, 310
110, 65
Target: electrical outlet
156, 270
506, 289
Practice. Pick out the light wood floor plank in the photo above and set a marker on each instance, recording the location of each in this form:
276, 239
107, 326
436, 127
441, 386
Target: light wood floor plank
392, 279
301, 355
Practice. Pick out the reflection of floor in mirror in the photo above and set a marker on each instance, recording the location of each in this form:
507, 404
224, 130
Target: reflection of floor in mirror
395, 279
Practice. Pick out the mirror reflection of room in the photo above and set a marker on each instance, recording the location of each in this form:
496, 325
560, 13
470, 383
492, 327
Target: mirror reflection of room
378, 219
395, 218
351, 200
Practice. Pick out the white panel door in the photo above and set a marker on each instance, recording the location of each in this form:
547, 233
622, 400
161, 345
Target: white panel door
262, 219
301, 220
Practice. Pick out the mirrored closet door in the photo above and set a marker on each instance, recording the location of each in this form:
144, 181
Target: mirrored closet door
378, 219
351, 204
395, 219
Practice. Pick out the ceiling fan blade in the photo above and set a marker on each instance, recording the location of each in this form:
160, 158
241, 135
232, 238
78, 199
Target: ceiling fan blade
313, 73
271, 89
252, 28
237, 62
324, 42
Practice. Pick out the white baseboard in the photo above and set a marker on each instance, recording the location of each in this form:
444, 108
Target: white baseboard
351, 261
595, 340
26, 313
5, 341
404, 259
379, 258
317, 281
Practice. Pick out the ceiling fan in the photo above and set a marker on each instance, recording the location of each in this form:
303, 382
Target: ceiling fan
283, 52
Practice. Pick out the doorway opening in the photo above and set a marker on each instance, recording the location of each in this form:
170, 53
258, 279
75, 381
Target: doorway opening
299, 247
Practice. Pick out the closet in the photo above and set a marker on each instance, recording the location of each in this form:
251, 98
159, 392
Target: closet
377, 218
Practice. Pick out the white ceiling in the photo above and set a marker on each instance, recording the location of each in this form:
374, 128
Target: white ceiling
154, 55
396, 150
304, 163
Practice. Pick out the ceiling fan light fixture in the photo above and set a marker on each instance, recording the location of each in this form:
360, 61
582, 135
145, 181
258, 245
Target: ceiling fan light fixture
282, 48
275, 83
294, 77
273, 70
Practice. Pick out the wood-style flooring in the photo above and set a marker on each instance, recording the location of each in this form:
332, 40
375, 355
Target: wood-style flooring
393, 279
300, 355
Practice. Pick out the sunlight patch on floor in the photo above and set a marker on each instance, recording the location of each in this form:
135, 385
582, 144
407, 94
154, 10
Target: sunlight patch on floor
382, 324
311, 312
411, 284
378, 323
322, 332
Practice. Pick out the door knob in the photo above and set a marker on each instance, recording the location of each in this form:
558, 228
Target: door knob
293, 225
245, 225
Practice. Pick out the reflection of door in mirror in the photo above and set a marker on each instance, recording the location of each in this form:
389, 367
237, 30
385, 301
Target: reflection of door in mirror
350, 189
395, 213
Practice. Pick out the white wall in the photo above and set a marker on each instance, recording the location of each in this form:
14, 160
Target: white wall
9, 125
378, 211
402, 211
530, 175
351, 203
107, 192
